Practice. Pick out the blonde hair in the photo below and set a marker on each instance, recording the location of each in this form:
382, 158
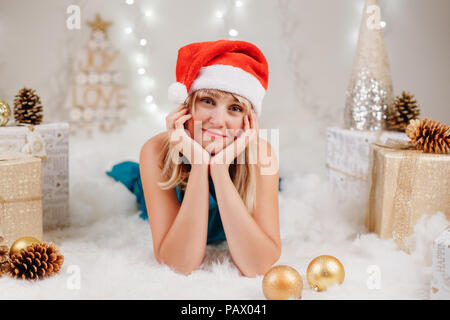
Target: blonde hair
243, 175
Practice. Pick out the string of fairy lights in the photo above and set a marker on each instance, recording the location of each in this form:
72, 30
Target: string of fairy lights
140, 16
224, 13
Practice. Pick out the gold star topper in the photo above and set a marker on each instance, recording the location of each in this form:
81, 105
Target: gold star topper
99, 24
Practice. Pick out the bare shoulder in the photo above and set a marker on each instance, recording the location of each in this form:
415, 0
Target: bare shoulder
267, 157
156, 141
264, 143
266, 148
152, 147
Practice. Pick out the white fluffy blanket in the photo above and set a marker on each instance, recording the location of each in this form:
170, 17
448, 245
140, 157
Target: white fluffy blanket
109, 255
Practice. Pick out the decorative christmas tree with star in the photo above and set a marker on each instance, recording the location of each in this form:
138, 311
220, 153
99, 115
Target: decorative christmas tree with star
98, 97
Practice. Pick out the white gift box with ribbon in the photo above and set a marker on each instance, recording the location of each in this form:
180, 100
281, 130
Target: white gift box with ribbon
440, 278
50, 142
348, 158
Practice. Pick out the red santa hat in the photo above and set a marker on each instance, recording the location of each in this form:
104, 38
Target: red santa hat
233, 66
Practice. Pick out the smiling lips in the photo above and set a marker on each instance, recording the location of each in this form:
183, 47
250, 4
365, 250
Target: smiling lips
213, 133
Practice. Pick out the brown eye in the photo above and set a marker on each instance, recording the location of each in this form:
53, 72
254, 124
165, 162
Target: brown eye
206, 100
236, 108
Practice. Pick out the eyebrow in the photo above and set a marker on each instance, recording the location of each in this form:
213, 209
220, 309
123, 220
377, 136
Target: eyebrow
216, 95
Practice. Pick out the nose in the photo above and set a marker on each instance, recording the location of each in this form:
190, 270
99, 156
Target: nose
217, 118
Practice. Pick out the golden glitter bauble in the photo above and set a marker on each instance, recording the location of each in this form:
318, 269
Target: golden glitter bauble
324, 271
22, 243
5, 113
282, 283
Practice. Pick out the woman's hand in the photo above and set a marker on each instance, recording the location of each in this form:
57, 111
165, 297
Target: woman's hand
226, 156
180, 138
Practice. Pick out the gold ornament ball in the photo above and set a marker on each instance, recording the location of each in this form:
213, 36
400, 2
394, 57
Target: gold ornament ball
324, 271
22, 243
282, 283
5, 113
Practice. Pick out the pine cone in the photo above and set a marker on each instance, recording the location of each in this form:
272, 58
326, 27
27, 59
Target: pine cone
27, 107
429, 135
4, 258
401, 112
37, 261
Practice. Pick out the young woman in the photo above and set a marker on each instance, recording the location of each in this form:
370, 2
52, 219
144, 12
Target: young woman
203, 179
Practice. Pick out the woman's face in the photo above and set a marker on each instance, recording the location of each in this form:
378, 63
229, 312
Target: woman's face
216, 121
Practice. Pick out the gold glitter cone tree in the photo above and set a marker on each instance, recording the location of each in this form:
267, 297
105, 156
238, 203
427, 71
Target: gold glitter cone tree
429, 136
370, 89
402, 111
27, 107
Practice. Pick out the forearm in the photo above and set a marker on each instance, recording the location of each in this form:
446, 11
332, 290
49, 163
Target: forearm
253, 251
184, 245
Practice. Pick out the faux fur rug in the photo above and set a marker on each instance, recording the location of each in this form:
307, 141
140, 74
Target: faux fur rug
109, 255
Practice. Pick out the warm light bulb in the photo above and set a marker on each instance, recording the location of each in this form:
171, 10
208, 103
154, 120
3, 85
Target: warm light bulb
238, 4
143, 42
148, 99
128, 30
219, 14
141, 71
383, 24
233, 32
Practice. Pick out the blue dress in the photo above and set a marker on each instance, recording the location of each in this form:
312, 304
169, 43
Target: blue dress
128, 173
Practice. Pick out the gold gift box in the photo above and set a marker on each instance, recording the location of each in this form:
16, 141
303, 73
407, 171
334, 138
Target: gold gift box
20, 196
405, 185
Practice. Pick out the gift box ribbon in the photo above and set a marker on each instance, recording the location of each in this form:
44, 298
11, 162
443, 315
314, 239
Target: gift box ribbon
3, 201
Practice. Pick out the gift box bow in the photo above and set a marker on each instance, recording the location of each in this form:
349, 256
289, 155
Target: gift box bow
396, 144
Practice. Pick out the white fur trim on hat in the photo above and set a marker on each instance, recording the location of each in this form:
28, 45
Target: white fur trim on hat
231, 79
177, 93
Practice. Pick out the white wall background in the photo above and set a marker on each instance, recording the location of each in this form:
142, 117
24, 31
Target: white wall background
309, 45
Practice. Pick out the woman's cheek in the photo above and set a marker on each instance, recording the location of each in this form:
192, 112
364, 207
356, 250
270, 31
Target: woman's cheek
189, 126
196, 129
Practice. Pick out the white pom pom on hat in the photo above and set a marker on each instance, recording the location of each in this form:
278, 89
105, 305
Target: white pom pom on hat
177, 93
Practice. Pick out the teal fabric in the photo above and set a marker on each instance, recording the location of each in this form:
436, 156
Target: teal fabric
128, 173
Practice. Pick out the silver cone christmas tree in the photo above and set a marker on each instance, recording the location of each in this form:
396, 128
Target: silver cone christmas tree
370, 89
